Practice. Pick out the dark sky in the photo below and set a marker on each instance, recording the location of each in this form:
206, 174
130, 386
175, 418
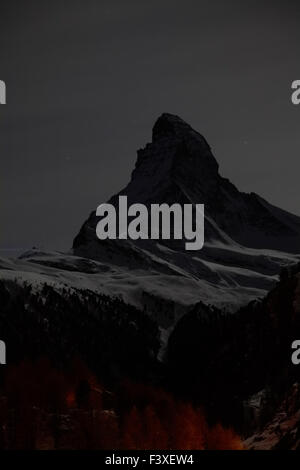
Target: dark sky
86, 81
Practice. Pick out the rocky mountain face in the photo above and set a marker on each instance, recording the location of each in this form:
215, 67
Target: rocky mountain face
247, 240
178, 166
152, 311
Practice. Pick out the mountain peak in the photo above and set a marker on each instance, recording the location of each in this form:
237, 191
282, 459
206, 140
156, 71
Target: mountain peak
168, 125
178, 166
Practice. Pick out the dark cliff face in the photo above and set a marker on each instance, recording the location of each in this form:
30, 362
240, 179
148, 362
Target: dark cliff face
224, 360
178, 166
246, 241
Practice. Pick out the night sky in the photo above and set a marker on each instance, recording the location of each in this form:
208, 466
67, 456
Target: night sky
87, 80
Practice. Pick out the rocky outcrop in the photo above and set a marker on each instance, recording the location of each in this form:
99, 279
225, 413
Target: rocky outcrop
247, 240
178, 166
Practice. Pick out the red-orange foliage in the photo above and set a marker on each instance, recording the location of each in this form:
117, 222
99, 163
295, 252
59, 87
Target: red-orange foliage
49, 408
158, 421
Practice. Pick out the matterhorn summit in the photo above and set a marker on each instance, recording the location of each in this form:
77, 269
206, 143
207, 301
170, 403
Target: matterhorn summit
246, 244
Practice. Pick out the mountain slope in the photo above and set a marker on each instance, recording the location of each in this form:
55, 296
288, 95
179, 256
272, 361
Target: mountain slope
178, 166
247, 240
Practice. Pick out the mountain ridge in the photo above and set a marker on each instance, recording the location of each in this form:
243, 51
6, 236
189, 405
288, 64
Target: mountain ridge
178, 166
247, 240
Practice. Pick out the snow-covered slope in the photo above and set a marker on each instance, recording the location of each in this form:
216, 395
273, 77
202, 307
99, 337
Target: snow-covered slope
247, 240
247, 274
